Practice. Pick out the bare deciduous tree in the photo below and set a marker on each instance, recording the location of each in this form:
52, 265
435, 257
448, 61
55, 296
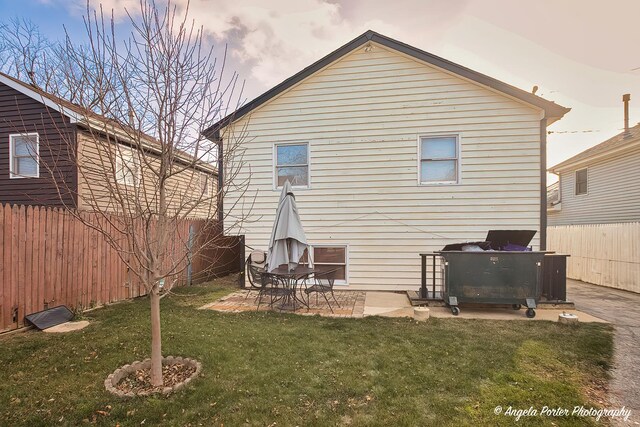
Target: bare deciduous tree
144, 166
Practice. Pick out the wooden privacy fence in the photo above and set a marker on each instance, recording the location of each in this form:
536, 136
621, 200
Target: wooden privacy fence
49, 258
603, 254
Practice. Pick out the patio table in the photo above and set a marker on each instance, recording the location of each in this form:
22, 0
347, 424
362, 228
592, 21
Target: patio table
292, 281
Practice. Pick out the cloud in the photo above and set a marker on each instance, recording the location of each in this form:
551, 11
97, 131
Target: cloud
576, 53
279, 39
267, 41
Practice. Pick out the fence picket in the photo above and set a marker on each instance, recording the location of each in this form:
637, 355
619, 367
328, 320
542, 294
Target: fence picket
51, 258
604, 254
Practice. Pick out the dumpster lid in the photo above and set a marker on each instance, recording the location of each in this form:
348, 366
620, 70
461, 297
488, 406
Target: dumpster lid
500, 238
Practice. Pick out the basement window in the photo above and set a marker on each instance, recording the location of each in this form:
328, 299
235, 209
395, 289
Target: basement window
581, 182
24, 151
330, 257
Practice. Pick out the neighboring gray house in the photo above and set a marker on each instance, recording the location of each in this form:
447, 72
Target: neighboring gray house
599, 185
594, 212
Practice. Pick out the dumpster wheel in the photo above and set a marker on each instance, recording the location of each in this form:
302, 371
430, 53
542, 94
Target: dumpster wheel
531, 313
455, 310
516, 306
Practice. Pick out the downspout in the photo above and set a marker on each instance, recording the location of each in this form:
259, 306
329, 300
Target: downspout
76, 196
220, 182
543, 184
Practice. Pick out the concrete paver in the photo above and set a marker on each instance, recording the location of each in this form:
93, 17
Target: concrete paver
346, 304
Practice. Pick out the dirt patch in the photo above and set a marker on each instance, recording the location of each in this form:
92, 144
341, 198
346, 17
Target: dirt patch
140, 381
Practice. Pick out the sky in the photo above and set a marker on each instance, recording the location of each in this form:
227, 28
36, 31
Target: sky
582, 54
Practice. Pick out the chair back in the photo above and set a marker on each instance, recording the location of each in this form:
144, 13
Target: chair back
325, 278
255, 262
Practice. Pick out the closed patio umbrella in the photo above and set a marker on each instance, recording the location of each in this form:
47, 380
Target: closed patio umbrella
288, 241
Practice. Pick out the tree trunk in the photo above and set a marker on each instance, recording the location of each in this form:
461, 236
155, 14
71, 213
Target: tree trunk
156, 341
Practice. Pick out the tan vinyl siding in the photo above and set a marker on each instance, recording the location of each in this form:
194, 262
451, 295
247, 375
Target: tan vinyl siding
98, 176
613, 192
362, 117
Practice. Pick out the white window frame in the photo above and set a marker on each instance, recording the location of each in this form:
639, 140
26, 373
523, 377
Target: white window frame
119, 165
275, 164
208, 182
458, 180
346, 256
560, 188
575, 182
11, 158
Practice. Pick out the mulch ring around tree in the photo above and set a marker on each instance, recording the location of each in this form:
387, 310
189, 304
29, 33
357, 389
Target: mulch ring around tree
140, 380
135, 379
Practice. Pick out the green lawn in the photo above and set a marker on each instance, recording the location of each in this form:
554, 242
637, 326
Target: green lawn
282, 369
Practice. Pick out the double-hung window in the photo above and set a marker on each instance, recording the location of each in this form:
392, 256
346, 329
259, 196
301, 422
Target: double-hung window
127, 167
292, 164
23, 155
439, 159
581, 182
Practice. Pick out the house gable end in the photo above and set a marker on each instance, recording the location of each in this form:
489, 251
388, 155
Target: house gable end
552, 111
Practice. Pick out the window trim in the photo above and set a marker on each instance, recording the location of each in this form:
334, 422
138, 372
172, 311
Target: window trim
560, 188
274, 165
575, 182
344, 282
208, 181
136, 177
11, 155
458, 138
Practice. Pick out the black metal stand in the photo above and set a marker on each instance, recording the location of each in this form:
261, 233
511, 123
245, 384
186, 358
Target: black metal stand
424, 291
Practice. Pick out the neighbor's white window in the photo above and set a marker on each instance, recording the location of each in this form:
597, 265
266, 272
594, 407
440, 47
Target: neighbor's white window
439, 159
205, 184
581, 182
292, 163
332, 257
127, 168
24, 150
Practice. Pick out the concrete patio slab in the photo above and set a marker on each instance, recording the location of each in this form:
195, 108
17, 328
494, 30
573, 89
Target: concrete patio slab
510, 314
387, 304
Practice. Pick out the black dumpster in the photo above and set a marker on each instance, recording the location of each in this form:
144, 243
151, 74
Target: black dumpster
501, 270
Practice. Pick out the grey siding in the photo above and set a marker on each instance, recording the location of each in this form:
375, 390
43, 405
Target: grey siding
613, 193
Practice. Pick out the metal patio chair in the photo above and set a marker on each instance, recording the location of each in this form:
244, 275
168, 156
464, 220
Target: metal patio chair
265, 284
323, 288
255, 263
